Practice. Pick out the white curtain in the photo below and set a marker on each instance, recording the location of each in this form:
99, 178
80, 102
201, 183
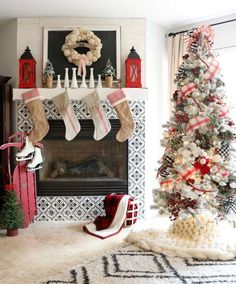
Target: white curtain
176, 49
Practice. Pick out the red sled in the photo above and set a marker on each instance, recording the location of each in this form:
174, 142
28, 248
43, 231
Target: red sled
22, 181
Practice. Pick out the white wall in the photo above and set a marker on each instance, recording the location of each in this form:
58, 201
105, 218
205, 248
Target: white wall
157, 104
8, 45
225, 35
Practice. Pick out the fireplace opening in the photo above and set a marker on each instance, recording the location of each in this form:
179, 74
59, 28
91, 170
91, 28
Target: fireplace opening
83, 166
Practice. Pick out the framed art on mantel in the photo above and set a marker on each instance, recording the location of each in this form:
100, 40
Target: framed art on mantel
54, 38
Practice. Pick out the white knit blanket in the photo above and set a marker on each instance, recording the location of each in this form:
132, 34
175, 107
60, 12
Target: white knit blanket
223, 247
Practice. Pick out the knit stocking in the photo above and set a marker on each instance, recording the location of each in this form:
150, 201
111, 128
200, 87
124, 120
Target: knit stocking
63, 106
101, 123
119, 102
38, 116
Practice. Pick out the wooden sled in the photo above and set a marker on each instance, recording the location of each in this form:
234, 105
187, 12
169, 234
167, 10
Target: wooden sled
23, 181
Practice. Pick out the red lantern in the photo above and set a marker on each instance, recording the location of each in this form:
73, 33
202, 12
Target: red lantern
133, 70
27, 65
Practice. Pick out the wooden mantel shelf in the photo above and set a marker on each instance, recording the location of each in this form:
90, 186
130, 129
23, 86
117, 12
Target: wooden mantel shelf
132, 94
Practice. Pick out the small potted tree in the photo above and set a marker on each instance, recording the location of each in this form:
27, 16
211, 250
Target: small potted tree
108, 73
12, 216
48, 73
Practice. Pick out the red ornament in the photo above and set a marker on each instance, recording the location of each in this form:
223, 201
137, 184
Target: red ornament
27, 72
133, 70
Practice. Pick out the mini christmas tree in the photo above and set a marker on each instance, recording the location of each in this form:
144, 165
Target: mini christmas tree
109, 70
197, 172
48, 71
12, 216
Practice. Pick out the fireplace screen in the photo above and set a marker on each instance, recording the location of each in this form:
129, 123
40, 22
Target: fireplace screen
83, 166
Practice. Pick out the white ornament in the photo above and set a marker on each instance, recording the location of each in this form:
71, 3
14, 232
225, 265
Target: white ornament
232, 185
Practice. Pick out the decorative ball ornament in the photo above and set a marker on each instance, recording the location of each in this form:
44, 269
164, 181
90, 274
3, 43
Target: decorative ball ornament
133, 70
27, 70
82, 38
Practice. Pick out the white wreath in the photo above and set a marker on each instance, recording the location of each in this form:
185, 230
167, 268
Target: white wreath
73, 40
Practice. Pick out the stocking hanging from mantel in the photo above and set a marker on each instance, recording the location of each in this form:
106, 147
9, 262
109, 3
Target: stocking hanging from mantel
40, 124
64, 107
119, 102
102, 125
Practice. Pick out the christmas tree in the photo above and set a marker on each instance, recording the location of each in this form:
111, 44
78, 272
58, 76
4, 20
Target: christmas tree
12, 216
109, 70
48, 71
197, 170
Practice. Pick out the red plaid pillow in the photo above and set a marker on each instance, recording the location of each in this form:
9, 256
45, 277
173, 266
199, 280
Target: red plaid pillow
132, 212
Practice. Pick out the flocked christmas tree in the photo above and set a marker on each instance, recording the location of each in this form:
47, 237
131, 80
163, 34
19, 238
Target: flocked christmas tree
48, 70
109, 70
197, 172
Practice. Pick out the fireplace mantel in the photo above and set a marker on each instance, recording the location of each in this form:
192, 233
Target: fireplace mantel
88, 206
132, 94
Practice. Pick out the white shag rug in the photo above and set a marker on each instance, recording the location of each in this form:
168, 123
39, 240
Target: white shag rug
131, 265
222, 247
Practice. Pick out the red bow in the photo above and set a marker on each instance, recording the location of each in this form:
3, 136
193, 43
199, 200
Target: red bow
203, 168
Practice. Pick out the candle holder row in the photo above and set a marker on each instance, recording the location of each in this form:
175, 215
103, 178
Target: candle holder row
74, 82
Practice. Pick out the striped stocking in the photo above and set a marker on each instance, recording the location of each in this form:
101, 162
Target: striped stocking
63, 106
118, 100
102, 125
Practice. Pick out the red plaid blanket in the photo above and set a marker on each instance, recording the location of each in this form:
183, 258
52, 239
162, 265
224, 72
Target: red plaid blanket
111, 203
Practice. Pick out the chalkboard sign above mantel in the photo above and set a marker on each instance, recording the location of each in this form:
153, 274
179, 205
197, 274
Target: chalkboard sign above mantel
54, 38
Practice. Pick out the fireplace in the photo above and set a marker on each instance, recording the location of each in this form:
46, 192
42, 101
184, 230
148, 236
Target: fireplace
83, 166
52, 207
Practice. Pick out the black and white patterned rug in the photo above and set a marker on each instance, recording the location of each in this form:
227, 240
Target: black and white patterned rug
133, 265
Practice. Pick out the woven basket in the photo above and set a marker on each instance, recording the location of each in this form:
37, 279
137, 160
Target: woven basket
198, 228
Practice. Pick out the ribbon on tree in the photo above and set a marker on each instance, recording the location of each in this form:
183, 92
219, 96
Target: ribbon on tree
212, 70
197, 122
224, 112
197, 188
186, 90
183, 176
207, 31
223, 172
188, 173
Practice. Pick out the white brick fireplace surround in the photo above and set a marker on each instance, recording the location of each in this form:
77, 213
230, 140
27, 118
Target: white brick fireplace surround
64, 208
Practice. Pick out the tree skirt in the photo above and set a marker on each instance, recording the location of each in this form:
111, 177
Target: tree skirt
222, 247
131, 265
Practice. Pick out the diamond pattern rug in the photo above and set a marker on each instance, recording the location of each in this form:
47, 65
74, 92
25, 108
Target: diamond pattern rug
132, 265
